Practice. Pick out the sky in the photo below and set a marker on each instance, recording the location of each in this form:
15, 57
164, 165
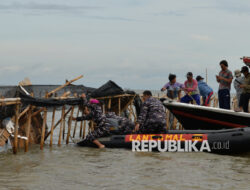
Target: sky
135, 43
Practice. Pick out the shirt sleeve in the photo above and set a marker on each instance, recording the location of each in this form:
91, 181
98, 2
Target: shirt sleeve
230, 76
181, 85
166, 85
84, 117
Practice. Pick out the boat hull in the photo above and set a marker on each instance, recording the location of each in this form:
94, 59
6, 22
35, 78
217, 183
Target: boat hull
206, 118
220, 141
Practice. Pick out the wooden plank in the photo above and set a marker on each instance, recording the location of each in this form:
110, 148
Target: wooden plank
43, 128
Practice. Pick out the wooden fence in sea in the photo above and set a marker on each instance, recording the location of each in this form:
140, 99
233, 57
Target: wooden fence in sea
30, 125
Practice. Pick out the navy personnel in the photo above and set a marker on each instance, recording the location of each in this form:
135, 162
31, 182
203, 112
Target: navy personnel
152, 118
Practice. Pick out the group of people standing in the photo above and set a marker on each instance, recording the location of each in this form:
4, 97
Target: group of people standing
195, 88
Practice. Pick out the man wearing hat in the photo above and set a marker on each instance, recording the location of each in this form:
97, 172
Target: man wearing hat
205, 91
225, 78
245, 96
191, 90
237, 82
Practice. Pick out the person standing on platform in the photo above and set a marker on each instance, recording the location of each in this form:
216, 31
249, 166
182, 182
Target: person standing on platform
237, 82
224, 78
245, 96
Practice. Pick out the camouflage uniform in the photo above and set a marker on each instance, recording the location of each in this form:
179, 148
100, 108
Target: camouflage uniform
152, 118
99, 118
126, 126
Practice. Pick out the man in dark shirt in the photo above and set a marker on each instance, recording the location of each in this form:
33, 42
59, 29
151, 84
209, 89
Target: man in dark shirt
152, 118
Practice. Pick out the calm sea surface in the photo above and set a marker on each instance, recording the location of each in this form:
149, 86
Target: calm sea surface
70, 167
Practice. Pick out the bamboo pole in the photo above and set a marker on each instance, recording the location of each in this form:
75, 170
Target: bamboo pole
24, 111
174, 123
52, 126
116, 96
16, 129
38, 111
126, 106
69, 125
61, 125
84, 129
58, 122
28, 125
109, 104
78, 111
103, 108
12, 100
80, 134
119, 106
43, 128
66, 84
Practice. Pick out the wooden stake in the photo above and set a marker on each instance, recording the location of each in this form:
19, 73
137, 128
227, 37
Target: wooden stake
84, 128
57, 123
28, 124
52, 126
119, 106
78, 111
69, 126
61, 125
174, 123
80, 134
43, 128
103, 108
109, 104
16, 129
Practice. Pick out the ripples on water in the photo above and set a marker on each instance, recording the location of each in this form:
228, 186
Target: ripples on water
70, 167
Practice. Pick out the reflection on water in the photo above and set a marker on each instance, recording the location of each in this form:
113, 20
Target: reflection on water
72, 167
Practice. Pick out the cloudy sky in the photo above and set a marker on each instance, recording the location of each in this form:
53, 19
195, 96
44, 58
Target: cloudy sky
136, 43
